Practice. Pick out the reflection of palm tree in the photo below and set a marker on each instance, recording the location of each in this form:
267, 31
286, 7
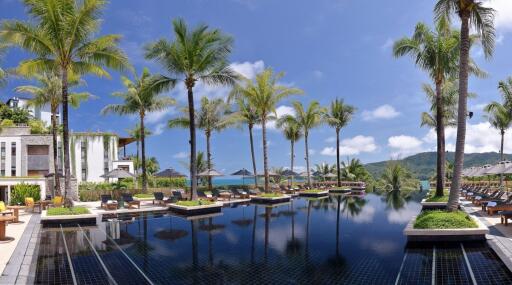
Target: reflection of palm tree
268, 213
395, 200
338, 227
306, 248
254, 233
292, 246
193, 230
352, 205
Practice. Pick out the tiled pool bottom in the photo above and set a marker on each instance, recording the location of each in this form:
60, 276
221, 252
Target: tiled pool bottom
340, 240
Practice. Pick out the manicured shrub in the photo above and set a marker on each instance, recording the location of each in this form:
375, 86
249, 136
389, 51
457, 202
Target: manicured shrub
439, 219
21, 191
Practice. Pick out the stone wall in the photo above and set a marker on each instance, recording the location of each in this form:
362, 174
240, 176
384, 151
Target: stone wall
15, 131
73, 194
35, 140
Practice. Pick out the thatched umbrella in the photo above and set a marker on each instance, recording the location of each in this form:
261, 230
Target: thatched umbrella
242, 172
170, 173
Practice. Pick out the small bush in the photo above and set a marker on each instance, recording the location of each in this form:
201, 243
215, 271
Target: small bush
439, 219
7, 123
67, 211
21, 191
194, 203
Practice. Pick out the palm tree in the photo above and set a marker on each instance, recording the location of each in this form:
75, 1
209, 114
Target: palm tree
338, 116
142, 96
201, 164
482, 20
211, 117
195, 55
500, 118
292, 131
48, 93
354, 170
505, 88
61, 35
136, 134
3, 74
324, 168
264, 94
247, 114
308, 119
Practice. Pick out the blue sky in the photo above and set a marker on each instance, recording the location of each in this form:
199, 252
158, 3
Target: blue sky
332, 48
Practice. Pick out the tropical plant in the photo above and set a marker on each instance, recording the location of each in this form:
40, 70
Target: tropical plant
200, 54
247, 114
338, 116
397, 177
500, 117
22, 191
505, 88
142, 96
481, 18
136, 134
210, 117
3, 74
49, 93
152, 165
201, 165
322, 169
61, 35
353, 170
308, 119
264, 94
292, 131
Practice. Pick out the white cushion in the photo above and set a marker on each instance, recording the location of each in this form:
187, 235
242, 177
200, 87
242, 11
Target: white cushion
492, 204
478, 198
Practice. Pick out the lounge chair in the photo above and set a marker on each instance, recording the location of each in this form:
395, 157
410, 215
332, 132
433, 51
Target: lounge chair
4, 211
160, 199
129, 201
496, 196
240, 193
495, 202
179, 195
496, 206
206, 195
254, 191
107, 202
30, 205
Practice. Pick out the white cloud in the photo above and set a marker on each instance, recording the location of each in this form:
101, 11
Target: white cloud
503, 9
248, 69
382, 112
159, 129
405, 145
280, 111
181, 154
155, 117
352, 146
330, 139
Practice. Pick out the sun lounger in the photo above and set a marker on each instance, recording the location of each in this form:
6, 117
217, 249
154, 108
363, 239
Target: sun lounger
129, 201
240, 193
495, 196
4, 211
206, 195
496, 206
179, 195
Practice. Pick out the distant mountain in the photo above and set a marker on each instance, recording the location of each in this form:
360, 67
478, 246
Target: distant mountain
424, 164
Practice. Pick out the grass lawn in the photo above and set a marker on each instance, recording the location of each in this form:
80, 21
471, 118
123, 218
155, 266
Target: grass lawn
271, 195
314, 191
194, 203
444, 220
67, 211
431, 196
143, 195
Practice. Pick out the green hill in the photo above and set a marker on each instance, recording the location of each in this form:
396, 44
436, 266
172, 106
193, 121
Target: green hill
424, 164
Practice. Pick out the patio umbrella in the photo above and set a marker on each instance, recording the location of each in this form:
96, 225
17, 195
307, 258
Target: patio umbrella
471, 171
482, 171
169, 172
330, 175
119, 174
289, 172
210, 173
242, 172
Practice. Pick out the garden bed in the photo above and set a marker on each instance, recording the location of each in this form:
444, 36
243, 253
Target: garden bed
340, 190
68, 217
445, 226
270, 198
314, 193
196, 207
432, 202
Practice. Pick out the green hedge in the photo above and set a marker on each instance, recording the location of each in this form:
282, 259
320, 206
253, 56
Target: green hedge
21, 191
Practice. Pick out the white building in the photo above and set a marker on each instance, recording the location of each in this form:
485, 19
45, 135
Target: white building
44, 113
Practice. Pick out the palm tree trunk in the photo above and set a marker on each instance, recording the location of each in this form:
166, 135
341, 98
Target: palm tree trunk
143, 154
65, 132
138, 161
441, 155
307, 157
252, 156
265, 157
193, 158
209, 159
56, 178
338, 170
502, 155
453, 201
293, 156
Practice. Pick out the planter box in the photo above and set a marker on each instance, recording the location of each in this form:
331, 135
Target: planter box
196, 210
68, 220
429, 235
314, 194
340, 190
433, 205
270, 200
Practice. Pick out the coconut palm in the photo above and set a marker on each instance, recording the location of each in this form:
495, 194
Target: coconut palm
142, 96
396, 177
324, 168
247, 114
292, 131
505, 88
48, 93
338, 116
212, 116
201, 164
135, 133
308, 119
62, 36
200, 54
500, 118
264, 94
354, 170
481, 18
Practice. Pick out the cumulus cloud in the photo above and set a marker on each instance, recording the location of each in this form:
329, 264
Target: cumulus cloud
352, 146
280, 111
330, 139
503, 9
159, 129
382, 112
405, 145
249, 69
181, 154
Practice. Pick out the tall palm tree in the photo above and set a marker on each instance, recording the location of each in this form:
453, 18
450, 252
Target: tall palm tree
308, 119
324, 168
200, 54
292, 131
61, 35
135, 133
142, 96
500, 118
48, 93
247, 114
505, 88
264, 94
338, 116
211, 117
470, 12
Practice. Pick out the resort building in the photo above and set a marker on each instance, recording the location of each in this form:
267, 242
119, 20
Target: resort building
41, 113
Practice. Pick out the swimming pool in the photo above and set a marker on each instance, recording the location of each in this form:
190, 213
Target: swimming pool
339, 239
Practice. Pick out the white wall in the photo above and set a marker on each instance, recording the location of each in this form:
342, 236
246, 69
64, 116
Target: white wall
8, 158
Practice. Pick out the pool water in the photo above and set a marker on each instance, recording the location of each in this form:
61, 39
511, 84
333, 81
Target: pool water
337, 240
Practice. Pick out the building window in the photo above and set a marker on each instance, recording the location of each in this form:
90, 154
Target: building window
105, 158
13, 159
2, 159
83, 149
59, 156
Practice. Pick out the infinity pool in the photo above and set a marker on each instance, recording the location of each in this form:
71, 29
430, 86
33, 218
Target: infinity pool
340, 239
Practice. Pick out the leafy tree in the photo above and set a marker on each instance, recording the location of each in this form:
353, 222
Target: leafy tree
61, 35
396, 177
210, 117
324, 168
142, 96
500, 118
136, 134
200, 54
3, 74
264, 94
338, 116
